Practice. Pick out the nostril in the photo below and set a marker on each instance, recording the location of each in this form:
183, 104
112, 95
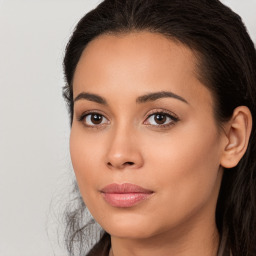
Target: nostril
128, 163
122, 165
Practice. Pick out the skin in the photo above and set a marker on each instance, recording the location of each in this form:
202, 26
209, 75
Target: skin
179, 162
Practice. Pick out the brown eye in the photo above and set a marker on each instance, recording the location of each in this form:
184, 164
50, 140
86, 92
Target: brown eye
94, 119
160, 118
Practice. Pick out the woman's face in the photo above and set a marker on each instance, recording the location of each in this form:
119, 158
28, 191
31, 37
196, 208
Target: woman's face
142, 117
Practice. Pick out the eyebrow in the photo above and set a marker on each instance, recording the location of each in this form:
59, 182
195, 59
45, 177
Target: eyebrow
91, 97
142, 99
158, 95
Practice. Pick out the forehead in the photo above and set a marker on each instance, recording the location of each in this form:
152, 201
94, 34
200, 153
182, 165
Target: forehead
138, 62
137, 51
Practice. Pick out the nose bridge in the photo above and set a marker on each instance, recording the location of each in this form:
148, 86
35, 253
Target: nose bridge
124, 149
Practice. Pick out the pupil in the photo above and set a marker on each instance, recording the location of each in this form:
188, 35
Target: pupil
160, 119
96, 119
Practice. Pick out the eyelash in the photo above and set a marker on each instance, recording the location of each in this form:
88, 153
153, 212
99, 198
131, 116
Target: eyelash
90, 113
167, 114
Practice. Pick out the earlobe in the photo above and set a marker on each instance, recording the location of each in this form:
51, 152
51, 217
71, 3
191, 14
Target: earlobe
238, 132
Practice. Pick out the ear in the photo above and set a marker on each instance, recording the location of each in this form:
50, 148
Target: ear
237, 132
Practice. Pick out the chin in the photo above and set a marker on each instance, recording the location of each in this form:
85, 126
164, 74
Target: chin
129, 226
129, 232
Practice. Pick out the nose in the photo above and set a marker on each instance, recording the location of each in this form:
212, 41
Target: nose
124, 151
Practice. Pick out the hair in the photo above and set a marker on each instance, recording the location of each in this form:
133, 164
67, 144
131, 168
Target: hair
226, 59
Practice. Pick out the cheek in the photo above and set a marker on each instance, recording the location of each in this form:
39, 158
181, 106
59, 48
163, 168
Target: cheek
187, 165
85, 155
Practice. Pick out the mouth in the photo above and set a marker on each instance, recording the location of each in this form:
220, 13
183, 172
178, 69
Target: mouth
125, 195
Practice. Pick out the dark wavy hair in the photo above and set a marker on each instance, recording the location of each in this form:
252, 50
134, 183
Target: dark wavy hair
227, 67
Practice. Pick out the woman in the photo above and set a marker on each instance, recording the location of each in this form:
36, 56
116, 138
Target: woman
162, 104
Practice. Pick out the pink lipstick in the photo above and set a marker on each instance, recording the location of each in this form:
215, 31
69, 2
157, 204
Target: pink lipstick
125, 195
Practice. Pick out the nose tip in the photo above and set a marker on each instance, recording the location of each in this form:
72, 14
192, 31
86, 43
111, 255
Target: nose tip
123, 154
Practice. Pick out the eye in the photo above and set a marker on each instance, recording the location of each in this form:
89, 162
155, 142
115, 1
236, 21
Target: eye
93, 119
161, 119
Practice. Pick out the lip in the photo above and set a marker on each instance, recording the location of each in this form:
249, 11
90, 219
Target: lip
125, 195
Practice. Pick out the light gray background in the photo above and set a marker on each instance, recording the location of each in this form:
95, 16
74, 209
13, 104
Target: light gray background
35, 168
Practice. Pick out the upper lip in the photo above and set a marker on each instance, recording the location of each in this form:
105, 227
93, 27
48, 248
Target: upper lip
124, 188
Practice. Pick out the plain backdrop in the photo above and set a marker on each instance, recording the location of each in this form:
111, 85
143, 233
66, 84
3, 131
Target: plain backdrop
35, 167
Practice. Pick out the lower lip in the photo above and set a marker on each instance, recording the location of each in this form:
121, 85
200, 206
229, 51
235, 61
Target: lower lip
125, 200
